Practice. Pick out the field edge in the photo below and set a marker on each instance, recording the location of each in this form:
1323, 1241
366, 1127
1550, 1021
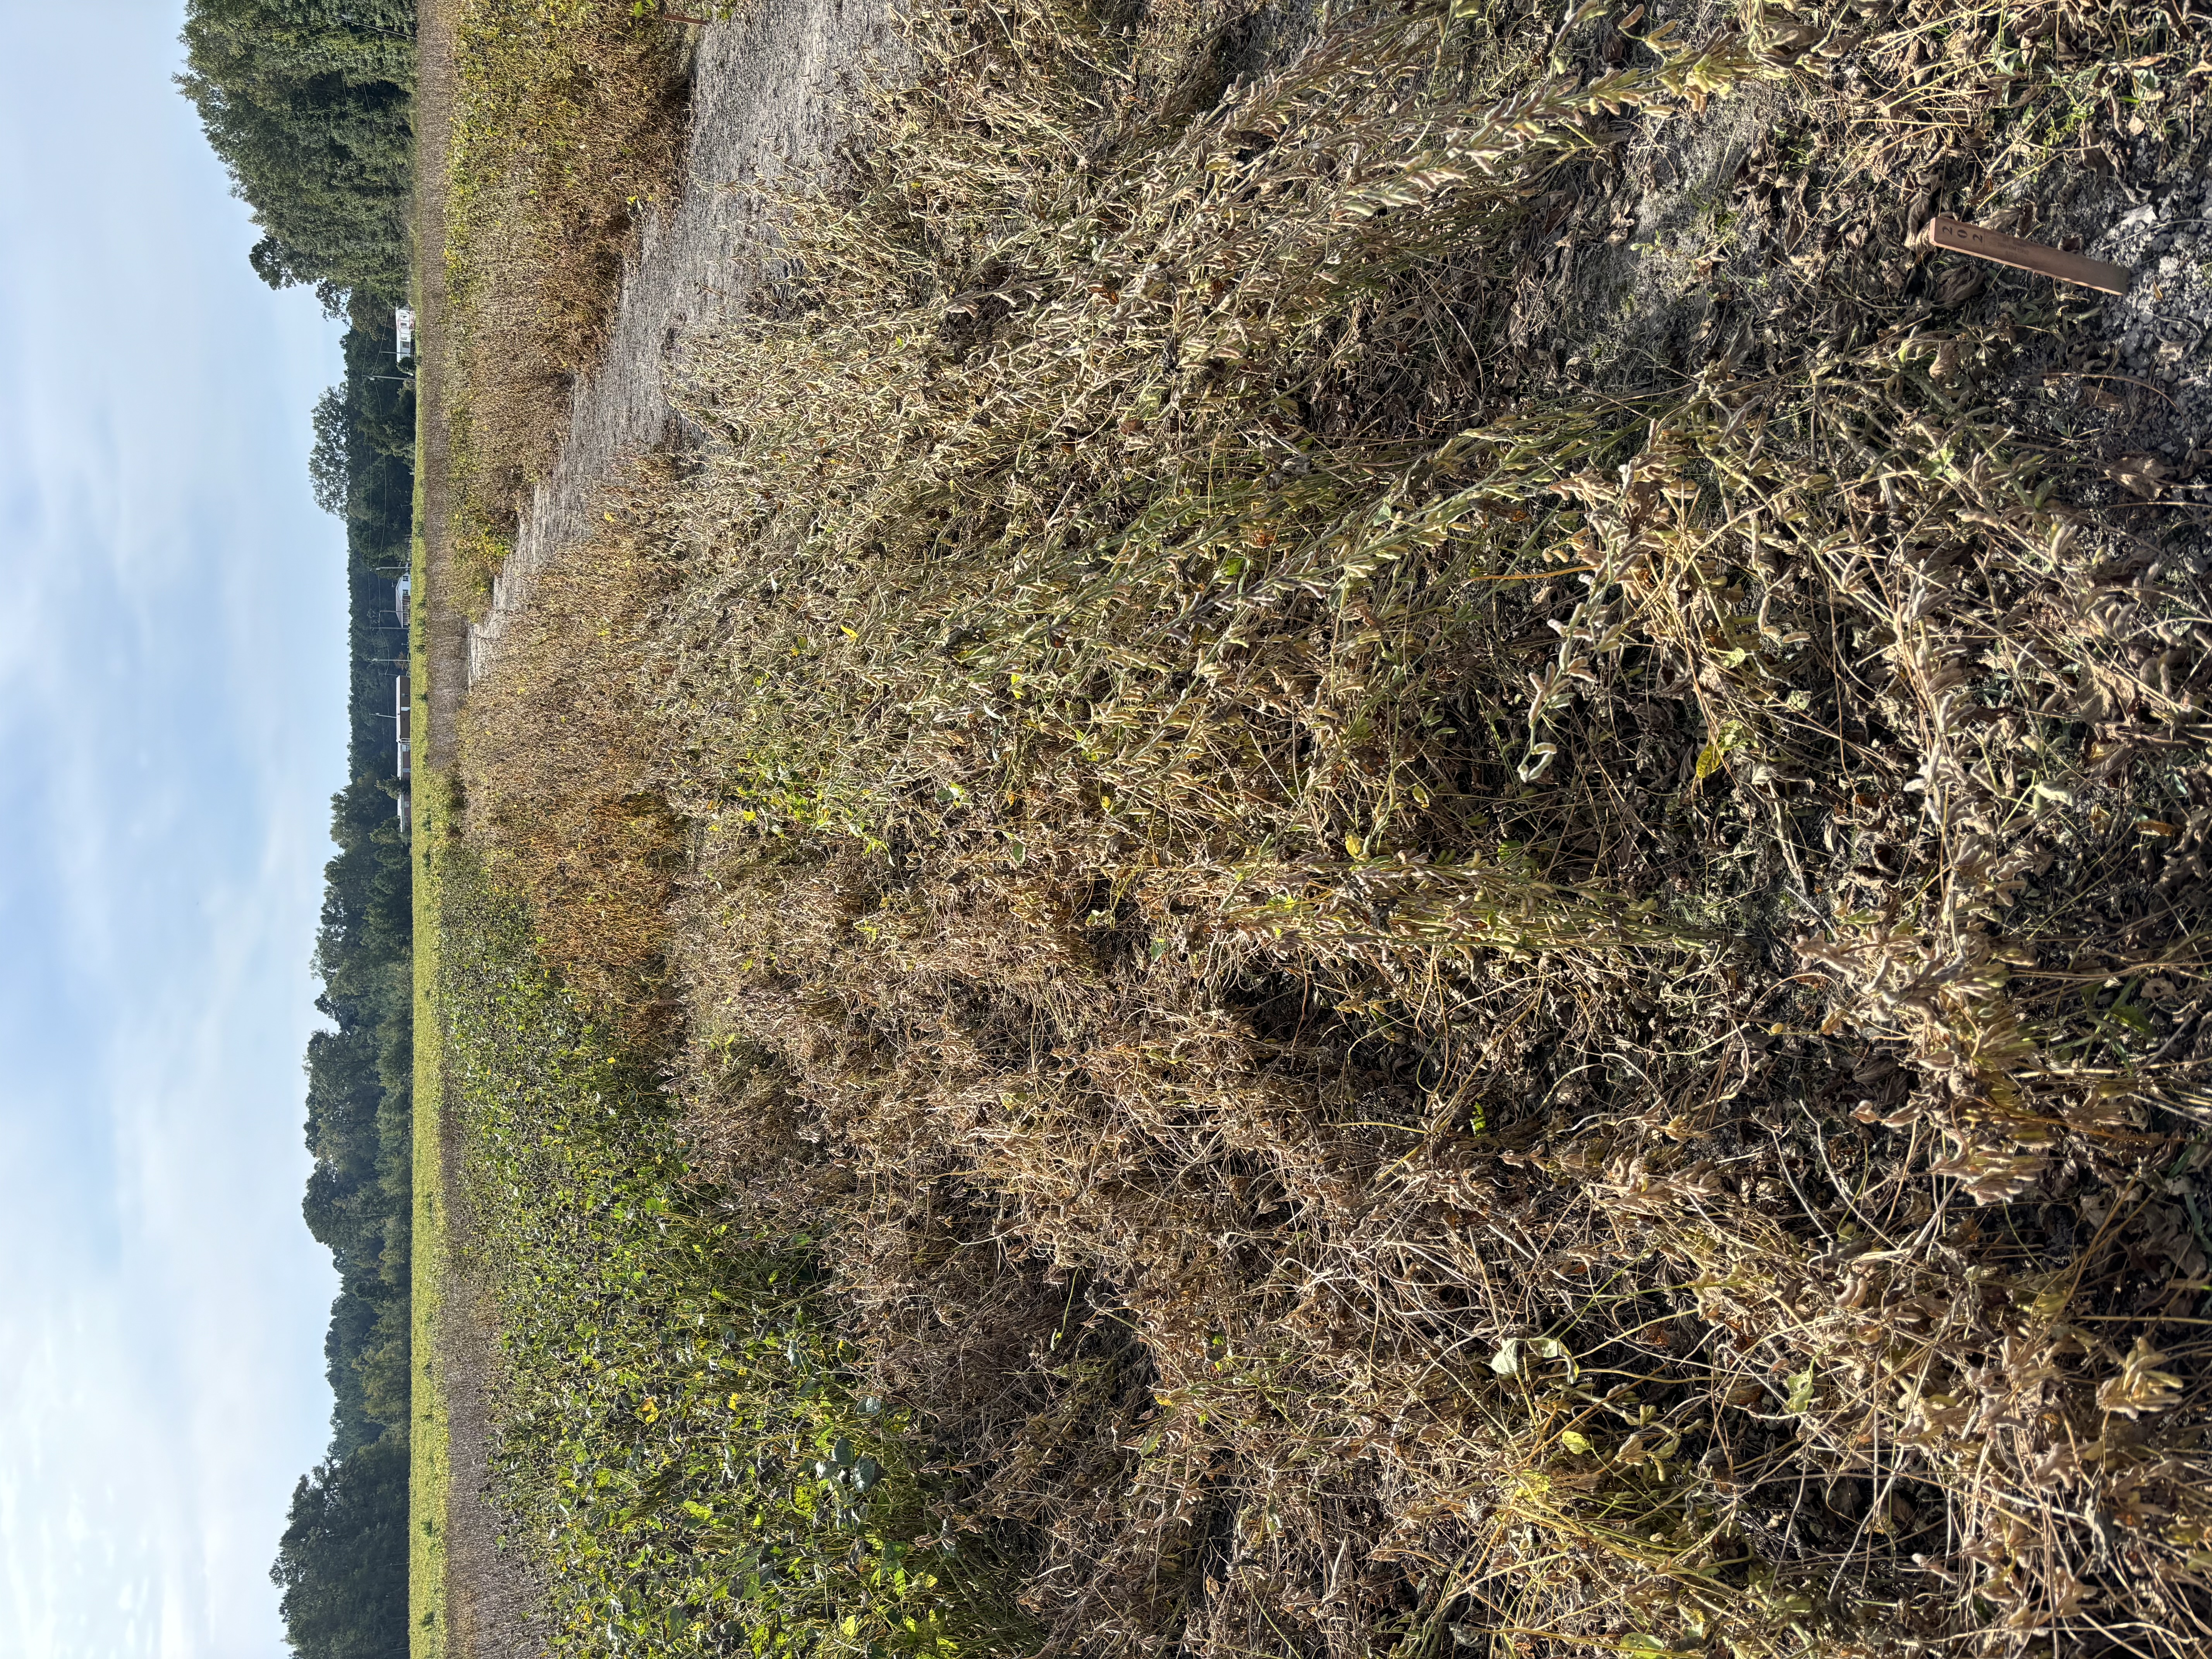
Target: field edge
429, 1450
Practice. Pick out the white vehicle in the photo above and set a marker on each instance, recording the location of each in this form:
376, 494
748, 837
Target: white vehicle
405, 727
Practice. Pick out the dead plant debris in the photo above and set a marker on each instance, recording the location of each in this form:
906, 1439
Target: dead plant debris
1455, 845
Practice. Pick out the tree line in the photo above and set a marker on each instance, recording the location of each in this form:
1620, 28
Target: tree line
342, 1562
310, 105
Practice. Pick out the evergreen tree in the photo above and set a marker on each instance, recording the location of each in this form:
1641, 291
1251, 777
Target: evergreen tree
342, 1562
309, 103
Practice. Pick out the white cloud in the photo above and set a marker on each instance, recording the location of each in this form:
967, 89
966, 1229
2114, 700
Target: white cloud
172, 661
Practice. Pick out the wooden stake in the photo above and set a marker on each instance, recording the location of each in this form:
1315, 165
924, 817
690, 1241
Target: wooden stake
1959, 237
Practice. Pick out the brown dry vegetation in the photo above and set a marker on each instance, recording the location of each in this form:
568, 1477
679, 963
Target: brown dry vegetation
1431, 997
578, 824
567, 123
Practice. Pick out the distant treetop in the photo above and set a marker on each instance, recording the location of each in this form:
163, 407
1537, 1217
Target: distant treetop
309, 103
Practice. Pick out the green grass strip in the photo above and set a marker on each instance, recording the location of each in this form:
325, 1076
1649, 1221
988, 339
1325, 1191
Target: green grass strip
429, 1438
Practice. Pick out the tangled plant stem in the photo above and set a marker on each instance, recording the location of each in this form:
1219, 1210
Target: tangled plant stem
1418, 1016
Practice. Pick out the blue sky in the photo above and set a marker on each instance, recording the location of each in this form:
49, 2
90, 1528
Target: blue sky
172, 725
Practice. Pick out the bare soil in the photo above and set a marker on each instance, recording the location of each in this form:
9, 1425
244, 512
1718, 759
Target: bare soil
1711, 243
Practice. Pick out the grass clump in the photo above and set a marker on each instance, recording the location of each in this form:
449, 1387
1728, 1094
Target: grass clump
580, 825
1425, 1009
568, 123
684, 1452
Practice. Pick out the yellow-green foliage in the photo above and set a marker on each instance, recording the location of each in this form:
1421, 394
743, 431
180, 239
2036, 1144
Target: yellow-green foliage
681, 1440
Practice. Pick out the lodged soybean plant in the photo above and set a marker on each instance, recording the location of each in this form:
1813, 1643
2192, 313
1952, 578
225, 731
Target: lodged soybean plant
1064, 433
1600, 980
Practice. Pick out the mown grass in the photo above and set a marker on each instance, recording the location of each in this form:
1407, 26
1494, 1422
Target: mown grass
429, 1430
1408, 1009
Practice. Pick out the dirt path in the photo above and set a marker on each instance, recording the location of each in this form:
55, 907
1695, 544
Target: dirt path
489, 1598
495, 1600
767, 96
